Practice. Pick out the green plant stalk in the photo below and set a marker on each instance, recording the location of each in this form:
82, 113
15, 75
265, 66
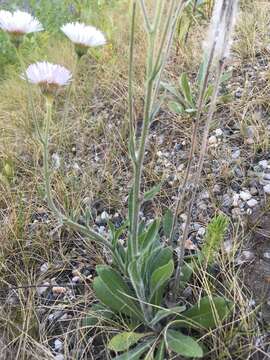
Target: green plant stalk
64, 219
177, 13
130, 82
145, 17
197, 177
183, 187
138, 163
152, 73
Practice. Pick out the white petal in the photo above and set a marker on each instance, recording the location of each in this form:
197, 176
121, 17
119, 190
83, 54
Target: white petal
82, 34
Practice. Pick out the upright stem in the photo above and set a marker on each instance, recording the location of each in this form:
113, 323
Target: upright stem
183, 187
138, 164
130, 82
197, 177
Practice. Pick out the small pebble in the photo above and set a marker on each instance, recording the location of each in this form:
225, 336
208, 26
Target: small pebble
245, 195
266, 189
236, 154
104, 216
252, 202
235, 199
216, 189
76, 279
58, 345
44, 267
266, 176
218, 132
212, 140
266, 255
41, 289
263, 164
253, 191
201, 231
59, 290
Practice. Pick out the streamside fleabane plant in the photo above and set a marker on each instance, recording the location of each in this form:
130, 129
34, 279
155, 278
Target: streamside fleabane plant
136, 288
50, 77
83, 36
18, 24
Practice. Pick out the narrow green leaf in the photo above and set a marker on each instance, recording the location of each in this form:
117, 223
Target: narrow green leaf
160, 355
209, 312
150, 235
183, 345
185, 87
111, 290
167, 222
135, 273
162, 314
150, 194
175, 107
159, 280
130, 206
123, 341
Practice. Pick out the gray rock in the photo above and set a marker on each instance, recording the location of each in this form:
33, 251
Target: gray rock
245, 195
252, 203
266, 189
263, 164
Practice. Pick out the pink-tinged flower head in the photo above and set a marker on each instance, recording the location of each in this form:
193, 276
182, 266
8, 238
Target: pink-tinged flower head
19, 23
83, 36
50, 77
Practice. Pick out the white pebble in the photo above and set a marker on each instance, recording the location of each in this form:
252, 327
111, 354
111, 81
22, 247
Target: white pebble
44, 267
212, 140
266, 189
236, 199
104, 216
201, 231
236, 154
245, 195
219, 132
263, 164
76, 279
252, 202
58, 345
42, 289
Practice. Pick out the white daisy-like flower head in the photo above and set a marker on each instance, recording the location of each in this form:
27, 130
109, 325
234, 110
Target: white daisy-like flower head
50, 77
19, 22
83, 36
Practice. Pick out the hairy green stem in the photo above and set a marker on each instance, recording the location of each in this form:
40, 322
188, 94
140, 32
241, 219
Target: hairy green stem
183, 187
130, 82
209, 119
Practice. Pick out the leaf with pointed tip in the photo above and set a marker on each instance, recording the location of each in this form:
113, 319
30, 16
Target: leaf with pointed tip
186, 90
183, 345
162, 314
150, 235
159, 280
137, 352
150, 194
124, 341
167, 222
112, 291
208, 312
